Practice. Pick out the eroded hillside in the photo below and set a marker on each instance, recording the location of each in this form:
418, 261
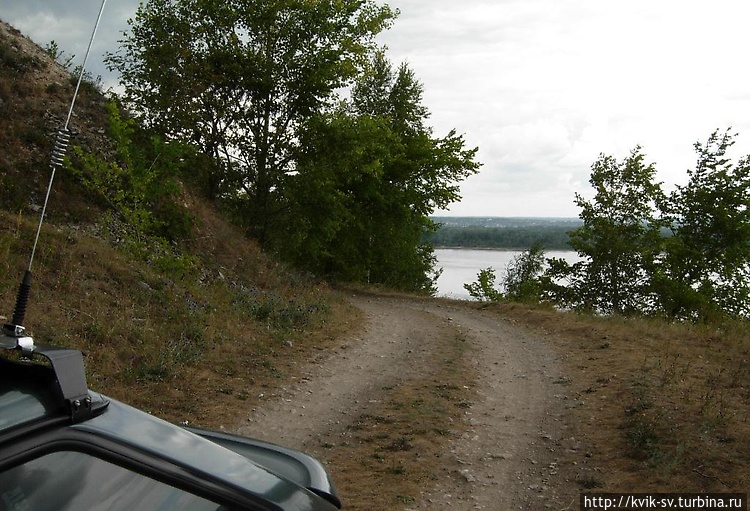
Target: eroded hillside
185, 328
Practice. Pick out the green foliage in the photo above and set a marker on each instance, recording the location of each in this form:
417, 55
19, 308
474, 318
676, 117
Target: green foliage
160, 253
137, 181
366, 182
522, 276
619, 241
706, 269
347, 220
700, 271
344, 192
238, 79
522, 279
484, 288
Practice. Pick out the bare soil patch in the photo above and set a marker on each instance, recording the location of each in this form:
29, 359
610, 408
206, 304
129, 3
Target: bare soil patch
438, 404
434, 405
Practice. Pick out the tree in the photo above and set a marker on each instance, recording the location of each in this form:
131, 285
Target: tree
706, 269
522, 276
332, 200
370, 175
619, 241
484, 288
425, 169
239, 78
522, 280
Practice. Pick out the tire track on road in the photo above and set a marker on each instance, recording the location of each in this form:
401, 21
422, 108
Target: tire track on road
508, 456
394, 347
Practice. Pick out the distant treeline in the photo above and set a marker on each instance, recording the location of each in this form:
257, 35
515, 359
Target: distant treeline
552, 236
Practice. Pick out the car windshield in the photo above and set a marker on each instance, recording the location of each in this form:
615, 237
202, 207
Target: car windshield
68, 481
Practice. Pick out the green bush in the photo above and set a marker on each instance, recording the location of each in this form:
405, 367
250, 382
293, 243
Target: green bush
484, 288
137, 181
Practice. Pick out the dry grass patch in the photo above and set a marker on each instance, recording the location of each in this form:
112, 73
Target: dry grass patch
192, 340
658, 406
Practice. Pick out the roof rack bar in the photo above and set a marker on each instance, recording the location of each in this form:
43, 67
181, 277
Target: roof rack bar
69, 373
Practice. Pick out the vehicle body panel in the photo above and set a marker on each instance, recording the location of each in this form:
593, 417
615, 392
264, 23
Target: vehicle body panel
242, 473
304, 470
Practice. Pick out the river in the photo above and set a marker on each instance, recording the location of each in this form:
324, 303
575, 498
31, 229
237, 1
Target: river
460, 266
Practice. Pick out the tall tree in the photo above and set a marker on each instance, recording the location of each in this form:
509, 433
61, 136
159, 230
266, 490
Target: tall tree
239, 78
619, 241
707, 268
370, 176
428, 170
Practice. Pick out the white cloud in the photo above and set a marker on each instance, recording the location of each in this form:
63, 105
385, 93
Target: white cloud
544, 87
541, 86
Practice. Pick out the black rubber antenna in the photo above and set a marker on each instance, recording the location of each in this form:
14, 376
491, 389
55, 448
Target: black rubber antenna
15, 328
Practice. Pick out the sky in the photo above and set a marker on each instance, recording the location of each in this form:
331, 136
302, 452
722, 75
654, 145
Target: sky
541, 87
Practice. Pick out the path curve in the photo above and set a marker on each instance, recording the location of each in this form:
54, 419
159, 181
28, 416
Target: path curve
508, 457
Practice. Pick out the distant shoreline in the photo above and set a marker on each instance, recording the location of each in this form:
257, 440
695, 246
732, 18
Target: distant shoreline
502, 233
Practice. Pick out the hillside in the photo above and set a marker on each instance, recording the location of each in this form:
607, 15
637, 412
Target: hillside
179, 329
35, 96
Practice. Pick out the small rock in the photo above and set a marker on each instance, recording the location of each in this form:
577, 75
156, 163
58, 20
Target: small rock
501, 456
468, 476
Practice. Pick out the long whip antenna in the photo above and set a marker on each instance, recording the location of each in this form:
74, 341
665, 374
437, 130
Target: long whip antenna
58, 154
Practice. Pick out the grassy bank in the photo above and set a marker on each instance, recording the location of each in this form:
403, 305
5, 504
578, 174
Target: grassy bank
657, 406
189, 335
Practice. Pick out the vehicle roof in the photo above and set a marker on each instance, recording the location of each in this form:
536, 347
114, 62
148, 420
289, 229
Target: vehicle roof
165, 440
29, 395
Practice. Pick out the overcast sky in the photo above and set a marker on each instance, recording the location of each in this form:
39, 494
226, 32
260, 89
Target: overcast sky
542, 87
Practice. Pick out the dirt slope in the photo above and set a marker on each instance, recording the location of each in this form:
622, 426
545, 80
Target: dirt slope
506, 453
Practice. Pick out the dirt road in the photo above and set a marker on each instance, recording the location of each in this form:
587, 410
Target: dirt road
510, 452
